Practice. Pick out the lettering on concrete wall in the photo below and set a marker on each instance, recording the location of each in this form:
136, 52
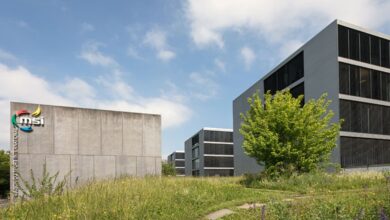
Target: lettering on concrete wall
15, 163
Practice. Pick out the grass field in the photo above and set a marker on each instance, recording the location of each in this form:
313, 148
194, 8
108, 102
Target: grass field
311, 196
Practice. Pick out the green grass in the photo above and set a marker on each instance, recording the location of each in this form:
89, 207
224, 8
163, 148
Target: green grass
325, 197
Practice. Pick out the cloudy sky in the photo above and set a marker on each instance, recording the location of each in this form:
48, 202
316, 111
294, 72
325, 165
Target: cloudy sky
184, 59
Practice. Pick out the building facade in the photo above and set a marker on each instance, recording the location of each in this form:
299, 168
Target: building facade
82, 144
351, 65
210, 153
177, 159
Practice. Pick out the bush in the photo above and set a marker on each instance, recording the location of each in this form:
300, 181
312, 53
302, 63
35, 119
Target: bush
4, 173
168, 169
287, 137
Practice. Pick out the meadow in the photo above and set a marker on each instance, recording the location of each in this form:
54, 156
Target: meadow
308, 196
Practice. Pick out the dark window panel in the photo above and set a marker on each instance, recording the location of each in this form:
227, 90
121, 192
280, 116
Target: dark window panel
179, 155
344, 78
218, 172
180, 171
384, 53
354, 45
365, 85
345, 114
218, 161
356, 123
385, 86
179, 163
376, 119
375, 84
218, 136
226, 149
282, 78
343, 42
375, 50
195, 139
364, 118
355, 80
386, 120
364, 47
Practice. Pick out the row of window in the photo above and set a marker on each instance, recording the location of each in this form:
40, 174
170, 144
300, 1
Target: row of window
364, 117
195, 152
179, 163
363, 47
363, 82
218, 161
218, 136
358, 152
180, 171
179, 155
218, 172
226, 149
195, 164
286, 75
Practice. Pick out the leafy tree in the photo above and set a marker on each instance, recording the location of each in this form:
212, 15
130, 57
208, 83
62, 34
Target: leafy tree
168, 169
4, 173
287, 137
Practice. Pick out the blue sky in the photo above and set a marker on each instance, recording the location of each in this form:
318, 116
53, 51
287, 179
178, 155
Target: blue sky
186, 60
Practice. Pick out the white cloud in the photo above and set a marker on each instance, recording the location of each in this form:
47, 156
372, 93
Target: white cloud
86, 27
248, 55
157, 40
132, 52
203, 87
278, 20
19, 84
220, 64
166, 55
4, 55
91, 53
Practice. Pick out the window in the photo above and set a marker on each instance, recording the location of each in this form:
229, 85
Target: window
286, 75
365, 83
195, 139
179, 155
179, 163
375, 50
218, 172
356, 124
345, 114
386, 120
354, 45
343, 42
385, 78
384, 53
210, 161
218, 136
180, 171
195, 152
358, 152
226, 149
376, 119
344, 78
355, 80
365, 47
195, 164
376, 84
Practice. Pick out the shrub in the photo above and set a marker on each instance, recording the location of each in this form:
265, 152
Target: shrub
168, 169
287, 137
4, 173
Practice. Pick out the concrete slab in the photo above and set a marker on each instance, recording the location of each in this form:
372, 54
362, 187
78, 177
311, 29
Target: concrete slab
104, 167
89, 132
111, 133
66, 130
251, 206
219, 214
81, 169
158, 165
150, 165
60, 164
42, 139
132, 134
28, 162
151, 137
126, 166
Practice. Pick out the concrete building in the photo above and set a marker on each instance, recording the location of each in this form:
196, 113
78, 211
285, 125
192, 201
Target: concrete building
87, 144
210, 153
177, 159
351, 65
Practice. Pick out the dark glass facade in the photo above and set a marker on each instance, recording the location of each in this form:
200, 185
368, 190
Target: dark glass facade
218, 136
226, 149
363, 82
359, 152
217, 172
218, 161
291, 72
363, 47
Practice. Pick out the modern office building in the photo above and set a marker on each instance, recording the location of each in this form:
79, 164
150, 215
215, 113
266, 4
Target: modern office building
210, 153
351, 65
177, 159
82, 144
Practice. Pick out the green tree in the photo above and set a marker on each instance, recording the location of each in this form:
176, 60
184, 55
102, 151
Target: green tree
4, 173
285, 136
168, 169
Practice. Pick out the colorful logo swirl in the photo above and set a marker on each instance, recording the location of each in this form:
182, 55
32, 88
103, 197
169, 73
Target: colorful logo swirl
21, 112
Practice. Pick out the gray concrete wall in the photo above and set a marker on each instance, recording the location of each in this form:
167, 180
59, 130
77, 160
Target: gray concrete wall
188, 157
89, 144
320, 76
